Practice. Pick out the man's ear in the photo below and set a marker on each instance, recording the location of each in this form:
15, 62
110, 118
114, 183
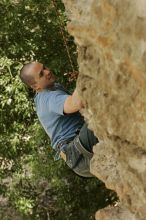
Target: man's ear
46, 72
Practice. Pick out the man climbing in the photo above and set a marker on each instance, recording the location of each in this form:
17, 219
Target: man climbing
58, 112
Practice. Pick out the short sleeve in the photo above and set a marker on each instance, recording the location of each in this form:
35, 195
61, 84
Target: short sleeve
56, 101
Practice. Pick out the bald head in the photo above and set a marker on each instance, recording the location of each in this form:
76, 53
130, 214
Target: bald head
27, 73
37, 76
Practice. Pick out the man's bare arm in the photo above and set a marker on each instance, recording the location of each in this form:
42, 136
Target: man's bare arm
73, 103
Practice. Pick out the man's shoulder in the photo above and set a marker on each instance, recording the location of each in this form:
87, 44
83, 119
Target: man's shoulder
41, 96
45, 95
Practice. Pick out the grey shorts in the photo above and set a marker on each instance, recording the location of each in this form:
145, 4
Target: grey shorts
78, 162
75, 159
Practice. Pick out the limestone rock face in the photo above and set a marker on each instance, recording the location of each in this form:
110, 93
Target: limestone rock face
115, 213
111, 39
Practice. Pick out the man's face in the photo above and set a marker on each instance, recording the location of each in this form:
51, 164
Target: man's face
42, 77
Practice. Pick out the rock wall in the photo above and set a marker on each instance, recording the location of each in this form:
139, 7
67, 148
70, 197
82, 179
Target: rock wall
111, 39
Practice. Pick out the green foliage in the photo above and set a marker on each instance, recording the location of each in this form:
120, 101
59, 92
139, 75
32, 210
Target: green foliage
32, 182
31, 31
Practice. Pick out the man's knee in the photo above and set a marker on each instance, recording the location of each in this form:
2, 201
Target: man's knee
87, 138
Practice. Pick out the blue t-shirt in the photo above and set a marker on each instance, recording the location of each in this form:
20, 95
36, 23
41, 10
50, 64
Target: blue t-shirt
49, 108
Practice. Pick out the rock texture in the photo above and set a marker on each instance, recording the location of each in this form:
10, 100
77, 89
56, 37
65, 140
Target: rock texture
115, 213
111, 39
